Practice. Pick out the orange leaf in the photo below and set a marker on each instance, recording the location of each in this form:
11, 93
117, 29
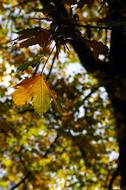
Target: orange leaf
35, 89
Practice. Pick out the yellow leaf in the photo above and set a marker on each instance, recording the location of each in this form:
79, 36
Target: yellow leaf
35, 89
42, 96
24, 93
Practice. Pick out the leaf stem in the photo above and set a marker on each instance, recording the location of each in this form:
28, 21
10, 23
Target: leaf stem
47, 60
53, 60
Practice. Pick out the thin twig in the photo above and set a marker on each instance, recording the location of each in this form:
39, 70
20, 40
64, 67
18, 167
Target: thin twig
88, 96
22, 181
37, 66
103, 4
47, 59
51, 146
95, 27
46, 19
53, 60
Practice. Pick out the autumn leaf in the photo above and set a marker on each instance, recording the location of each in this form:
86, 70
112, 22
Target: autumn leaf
33, 36
97, 48
35, 89
42, 96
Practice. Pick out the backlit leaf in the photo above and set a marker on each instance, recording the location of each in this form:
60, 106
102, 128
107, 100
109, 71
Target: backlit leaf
35, 89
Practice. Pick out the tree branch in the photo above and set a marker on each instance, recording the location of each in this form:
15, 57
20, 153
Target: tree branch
71, 32
86, 57
89, 95
115, 174
21, 181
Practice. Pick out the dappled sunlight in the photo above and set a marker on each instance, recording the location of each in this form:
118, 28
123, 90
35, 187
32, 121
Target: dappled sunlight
60, 95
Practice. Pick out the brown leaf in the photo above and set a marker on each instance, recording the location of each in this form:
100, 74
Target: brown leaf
43, 38
97, 48
34, 36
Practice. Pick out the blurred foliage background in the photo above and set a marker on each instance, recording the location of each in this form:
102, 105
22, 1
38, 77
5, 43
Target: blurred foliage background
75, 148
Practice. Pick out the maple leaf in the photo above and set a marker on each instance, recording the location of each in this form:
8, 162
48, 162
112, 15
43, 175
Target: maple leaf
33, 36
97, 48
35, 89
42, 96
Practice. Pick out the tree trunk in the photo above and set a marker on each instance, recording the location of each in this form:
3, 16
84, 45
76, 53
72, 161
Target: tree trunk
117, 86
115, 81
117, 90
117, 93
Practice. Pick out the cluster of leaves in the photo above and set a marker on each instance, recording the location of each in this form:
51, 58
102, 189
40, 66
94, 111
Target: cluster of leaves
67, 149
